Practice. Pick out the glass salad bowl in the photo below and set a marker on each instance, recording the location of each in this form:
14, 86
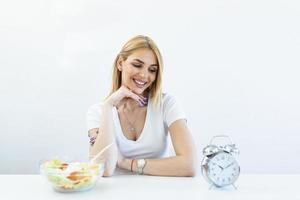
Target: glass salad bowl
71, 176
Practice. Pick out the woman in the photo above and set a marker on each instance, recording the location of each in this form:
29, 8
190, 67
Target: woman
136, 118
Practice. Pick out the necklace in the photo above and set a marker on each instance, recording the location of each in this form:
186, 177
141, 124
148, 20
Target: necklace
131, 124
132, 128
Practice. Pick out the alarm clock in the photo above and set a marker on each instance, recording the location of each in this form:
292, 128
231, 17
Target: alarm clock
219, 166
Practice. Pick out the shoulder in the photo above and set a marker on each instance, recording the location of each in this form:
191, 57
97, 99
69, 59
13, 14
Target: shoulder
94, 108
172, 109
93, 116
166, 96
168, 99
170, 102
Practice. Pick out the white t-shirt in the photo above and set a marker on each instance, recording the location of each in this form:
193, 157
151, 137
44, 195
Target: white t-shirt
152, 142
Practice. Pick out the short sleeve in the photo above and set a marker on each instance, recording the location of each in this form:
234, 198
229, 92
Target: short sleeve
93, 117
172, 109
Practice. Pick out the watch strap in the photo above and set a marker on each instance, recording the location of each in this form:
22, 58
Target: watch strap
141, 163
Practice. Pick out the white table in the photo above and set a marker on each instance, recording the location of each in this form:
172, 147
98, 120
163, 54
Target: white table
131, 187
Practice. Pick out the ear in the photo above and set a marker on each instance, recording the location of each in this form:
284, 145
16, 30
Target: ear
120, 63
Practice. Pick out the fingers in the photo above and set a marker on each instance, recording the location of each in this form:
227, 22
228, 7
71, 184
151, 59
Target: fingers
120, 97
139, 98
144, 98
135, 97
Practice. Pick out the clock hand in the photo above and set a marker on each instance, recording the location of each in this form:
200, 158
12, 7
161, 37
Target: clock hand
229, 165
220, 167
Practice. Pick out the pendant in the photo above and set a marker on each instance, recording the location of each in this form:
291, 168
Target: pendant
132, 129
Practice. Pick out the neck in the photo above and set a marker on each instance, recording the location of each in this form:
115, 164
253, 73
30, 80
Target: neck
131, 104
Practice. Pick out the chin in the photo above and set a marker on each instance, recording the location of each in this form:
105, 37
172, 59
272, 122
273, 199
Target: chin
138, 91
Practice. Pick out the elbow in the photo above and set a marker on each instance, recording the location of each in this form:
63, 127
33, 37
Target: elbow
109, 170
107, 174
190, 171
190, 168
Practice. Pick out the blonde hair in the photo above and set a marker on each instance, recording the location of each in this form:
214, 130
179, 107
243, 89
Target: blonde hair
135, 43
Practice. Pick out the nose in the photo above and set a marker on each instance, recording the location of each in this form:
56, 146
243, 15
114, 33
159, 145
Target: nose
143, 73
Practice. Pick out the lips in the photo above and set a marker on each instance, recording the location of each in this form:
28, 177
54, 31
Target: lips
139, 83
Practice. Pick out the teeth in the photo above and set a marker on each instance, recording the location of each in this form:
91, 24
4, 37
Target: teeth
140, 83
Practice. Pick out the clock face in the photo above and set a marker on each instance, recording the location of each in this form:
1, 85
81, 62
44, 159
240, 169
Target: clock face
223, 169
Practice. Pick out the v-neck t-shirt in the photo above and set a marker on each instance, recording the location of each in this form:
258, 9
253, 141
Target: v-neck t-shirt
153, 141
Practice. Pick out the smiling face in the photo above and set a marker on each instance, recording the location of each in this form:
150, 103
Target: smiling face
139, 70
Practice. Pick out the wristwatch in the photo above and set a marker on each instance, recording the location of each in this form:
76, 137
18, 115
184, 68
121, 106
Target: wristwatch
140, 165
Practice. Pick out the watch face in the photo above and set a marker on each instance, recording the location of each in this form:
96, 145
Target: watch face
141, 162
223, 169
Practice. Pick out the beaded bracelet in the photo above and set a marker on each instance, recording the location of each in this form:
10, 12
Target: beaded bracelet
131, 165
92, 139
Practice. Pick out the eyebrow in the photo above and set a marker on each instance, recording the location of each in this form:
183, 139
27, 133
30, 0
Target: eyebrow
144, 62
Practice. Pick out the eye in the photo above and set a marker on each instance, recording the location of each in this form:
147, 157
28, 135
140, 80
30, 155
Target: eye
153, 70
136, 65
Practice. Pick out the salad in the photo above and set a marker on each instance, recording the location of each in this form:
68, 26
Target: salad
75, 176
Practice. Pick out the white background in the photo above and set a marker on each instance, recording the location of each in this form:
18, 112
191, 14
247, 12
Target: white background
233, 64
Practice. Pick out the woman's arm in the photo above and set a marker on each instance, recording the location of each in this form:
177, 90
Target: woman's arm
106, 128
104, 137
185, 162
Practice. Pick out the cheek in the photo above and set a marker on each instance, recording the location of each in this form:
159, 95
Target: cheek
127, 72
125, 77
152, 78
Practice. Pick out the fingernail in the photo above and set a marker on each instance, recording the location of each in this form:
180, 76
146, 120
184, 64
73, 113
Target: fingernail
141, 100
141, 103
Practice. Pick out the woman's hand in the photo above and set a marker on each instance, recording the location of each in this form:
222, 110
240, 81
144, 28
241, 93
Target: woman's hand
121, 161
122, 94
124, 163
